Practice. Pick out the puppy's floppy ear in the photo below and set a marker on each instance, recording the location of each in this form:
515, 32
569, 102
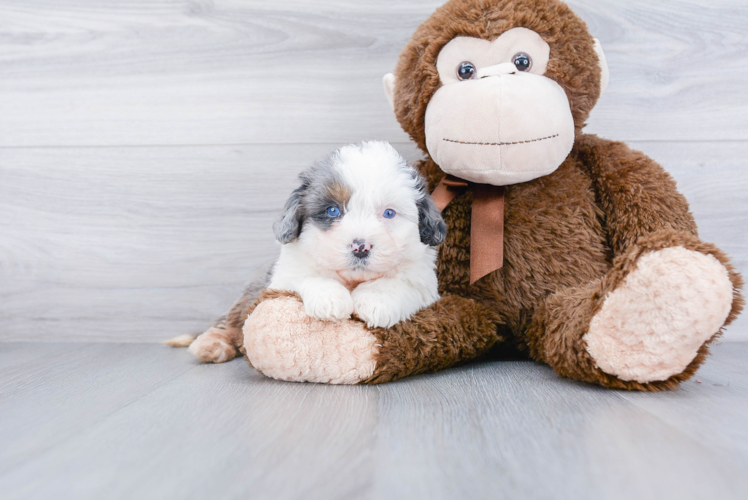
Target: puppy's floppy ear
288, 226
430, 223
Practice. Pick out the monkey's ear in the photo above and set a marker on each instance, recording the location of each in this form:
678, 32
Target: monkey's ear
605, 73
288, 226
389, 88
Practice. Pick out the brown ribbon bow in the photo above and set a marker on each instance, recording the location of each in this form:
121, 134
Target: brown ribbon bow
486, 222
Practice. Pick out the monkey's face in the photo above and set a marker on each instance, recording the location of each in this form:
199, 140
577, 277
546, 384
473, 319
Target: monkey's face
496, 119
497, 110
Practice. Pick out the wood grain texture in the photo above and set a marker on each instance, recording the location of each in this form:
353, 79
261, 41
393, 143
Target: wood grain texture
141, 244
56, 376
723, 393
516, 430
136, 72
145, 421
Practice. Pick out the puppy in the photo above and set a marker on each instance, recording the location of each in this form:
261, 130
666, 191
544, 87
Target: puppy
359, 235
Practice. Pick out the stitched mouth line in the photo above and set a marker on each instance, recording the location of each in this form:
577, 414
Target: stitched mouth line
501, 143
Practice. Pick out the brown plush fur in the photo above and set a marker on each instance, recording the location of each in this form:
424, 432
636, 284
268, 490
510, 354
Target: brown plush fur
570, 237
555, 335
454, 330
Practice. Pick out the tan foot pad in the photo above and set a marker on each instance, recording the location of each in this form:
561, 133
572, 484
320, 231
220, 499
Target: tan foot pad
652, 326
284, 343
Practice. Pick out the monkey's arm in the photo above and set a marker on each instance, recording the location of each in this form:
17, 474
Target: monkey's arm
643, 208
282, 342
453, 330
636, 195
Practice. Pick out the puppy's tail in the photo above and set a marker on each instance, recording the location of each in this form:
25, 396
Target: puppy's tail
180, 341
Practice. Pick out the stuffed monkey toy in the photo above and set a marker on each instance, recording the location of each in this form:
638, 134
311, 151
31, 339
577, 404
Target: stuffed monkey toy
573, 250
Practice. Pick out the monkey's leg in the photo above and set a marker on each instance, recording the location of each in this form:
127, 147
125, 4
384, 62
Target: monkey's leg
647, 323
283, 343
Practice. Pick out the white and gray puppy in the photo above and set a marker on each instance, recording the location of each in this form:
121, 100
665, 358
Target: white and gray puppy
359, 235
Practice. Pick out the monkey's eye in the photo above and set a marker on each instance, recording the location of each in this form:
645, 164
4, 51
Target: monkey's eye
466, 71
389, 214
522, 61
333, 212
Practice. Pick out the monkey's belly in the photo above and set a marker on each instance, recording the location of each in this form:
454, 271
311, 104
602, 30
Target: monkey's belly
553, 239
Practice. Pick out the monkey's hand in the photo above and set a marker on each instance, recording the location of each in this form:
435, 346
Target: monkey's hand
283, 342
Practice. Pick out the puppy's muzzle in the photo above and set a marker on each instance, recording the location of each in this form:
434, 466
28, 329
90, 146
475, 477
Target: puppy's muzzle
360, 249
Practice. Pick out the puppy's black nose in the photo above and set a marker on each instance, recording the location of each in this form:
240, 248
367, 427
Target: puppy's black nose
360, 248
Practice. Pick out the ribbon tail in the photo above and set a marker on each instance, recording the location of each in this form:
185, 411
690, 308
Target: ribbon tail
486, 231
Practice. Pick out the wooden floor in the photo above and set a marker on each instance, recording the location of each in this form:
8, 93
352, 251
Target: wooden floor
142, 421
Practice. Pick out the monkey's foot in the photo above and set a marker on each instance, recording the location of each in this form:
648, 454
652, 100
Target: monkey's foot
652, 326
284, 343
213, 346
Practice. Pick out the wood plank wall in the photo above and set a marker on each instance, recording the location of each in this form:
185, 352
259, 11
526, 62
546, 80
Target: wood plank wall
147, 145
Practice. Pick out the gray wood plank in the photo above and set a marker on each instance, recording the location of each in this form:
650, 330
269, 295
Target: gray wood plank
485, 430
155, 242
219, 431
79, 72
664, 81
516, 430
712, 407
14, 354
50, 399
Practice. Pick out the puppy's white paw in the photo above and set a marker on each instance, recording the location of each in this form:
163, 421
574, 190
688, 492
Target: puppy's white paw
376, 308
328, 302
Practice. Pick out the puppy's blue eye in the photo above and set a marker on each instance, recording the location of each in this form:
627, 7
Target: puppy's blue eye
389, 213
333, 212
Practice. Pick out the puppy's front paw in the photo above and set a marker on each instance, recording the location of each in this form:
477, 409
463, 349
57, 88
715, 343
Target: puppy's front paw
328, 302
376, 308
